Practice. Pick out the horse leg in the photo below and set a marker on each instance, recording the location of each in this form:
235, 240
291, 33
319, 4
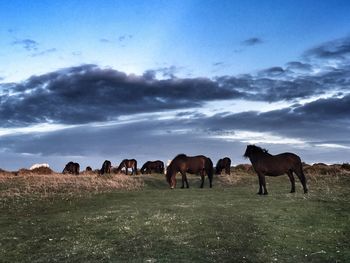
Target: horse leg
263, 181
202, 177
228, 170
173, 182
126, 171
292, 181
183, 176
210, 177
187, 186
260, 185
302, 179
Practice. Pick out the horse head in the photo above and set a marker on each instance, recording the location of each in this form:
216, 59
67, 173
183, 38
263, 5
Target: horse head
170, 177
253, 149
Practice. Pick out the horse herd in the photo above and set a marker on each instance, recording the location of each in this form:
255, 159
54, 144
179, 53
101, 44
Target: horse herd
264, 164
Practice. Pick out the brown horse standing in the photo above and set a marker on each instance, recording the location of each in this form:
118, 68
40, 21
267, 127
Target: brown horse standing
186, 164
275, 165
224, 163
106, 167
156, 166
71, 168
128, 163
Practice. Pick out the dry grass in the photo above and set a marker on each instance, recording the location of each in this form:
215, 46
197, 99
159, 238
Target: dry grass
44, 182
26, 182
316, 173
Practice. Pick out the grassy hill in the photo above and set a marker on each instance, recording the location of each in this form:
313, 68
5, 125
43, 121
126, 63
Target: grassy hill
151, 223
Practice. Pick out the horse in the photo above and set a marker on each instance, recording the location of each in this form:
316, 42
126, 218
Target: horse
106, 167
224, 163
266, 164
128, 163
186, 164
71, 168
156, 166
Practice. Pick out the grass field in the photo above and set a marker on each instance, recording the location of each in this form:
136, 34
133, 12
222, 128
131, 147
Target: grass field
228, 223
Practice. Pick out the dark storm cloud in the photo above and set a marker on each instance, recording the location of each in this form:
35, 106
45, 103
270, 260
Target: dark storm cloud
252, 41
265, 88
88, 94
336, 49
323, 119
27, 44
163, 139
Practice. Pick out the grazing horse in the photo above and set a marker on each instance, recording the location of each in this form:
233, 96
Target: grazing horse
128, 163
266, 164
71, 168
186, 164
156, 166
106, 167
222, 164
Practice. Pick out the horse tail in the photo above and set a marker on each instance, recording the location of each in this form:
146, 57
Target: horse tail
135, 167
162, 167
300, 173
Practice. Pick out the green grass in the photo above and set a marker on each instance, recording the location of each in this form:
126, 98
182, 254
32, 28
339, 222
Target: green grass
223, 224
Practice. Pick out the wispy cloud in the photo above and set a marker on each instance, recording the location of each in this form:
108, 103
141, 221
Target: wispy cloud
336, 49
27, 44
44, 52
125, 37
252, 41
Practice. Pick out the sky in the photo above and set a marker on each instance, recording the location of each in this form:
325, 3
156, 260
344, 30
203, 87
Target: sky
92, 80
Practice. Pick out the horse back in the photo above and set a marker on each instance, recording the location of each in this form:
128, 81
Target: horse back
275, 165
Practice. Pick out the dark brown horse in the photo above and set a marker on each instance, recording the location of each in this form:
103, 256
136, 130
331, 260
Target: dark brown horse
128, 163
155, 166
106, 167
266, 164
186, 164
71, 168
224, 163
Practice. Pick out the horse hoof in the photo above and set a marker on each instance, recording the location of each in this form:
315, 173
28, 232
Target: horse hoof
293, 191
266, 193
172, 187
306, 191
182, 187
259, 193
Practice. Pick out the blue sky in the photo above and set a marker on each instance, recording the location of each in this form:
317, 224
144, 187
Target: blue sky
203, 62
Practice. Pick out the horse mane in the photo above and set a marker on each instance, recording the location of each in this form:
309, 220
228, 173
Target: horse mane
257, 149
253, 150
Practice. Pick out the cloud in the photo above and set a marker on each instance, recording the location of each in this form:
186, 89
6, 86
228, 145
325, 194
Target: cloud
304, 129
27, 44
44, 52
297, 65
273, 71
125, 37
88, 93
219, 63
252, 41
323, 120
336, 49
105, 40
